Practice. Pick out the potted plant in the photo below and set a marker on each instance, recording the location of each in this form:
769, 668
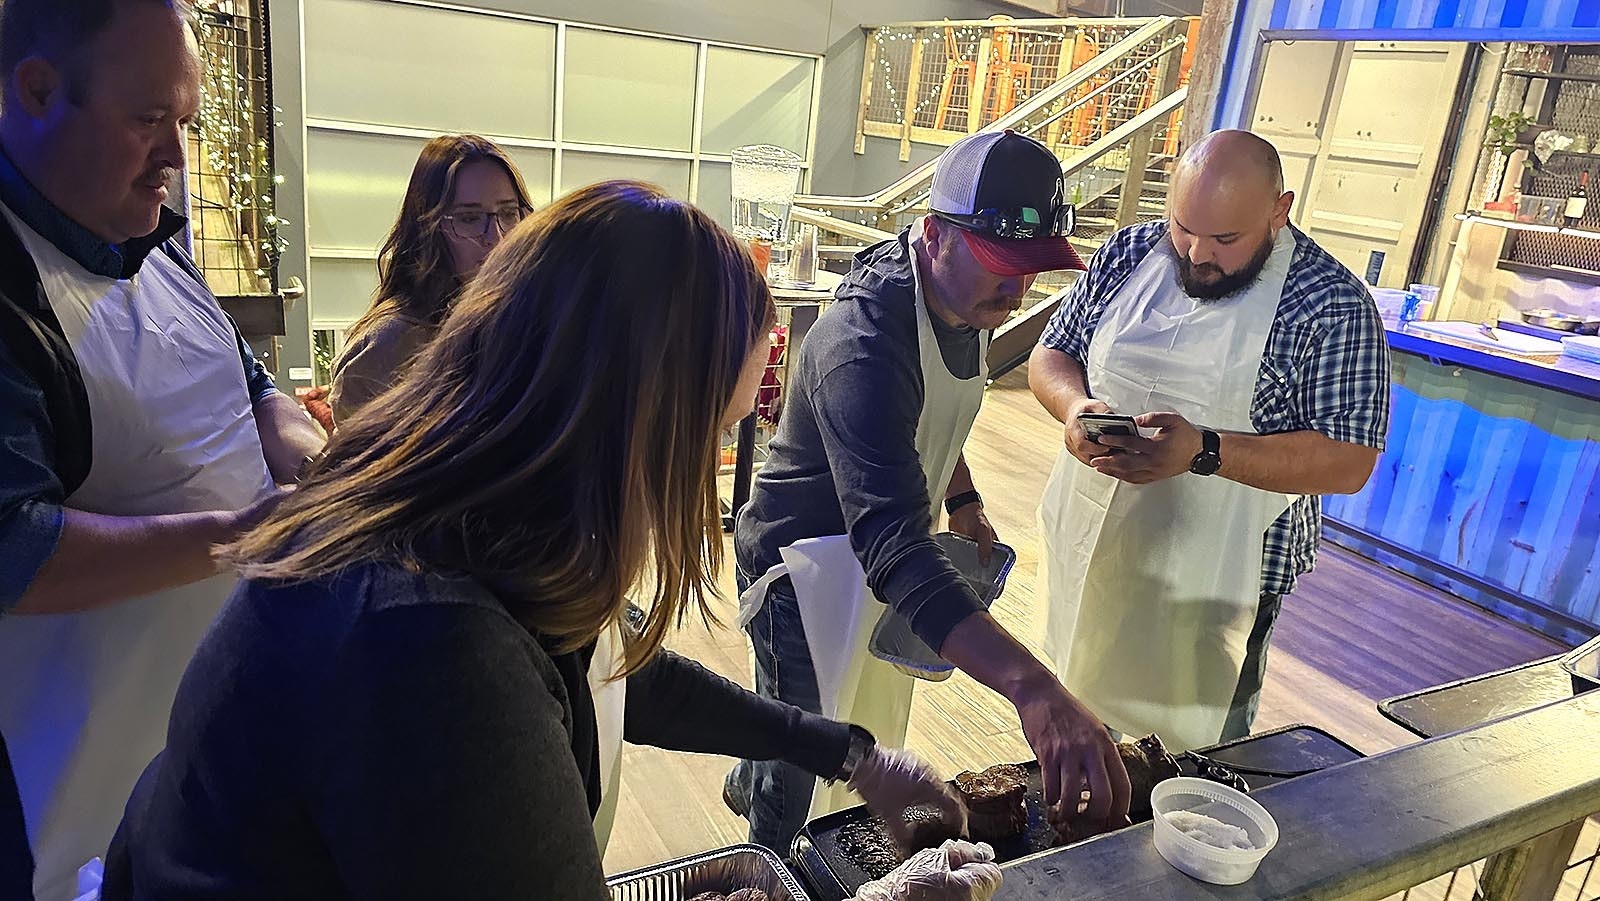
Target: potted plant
1505, 135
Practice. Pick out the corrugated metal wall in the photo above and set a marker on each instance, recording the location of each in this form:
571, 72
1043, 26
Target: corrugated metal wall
1493, 477
1497, 15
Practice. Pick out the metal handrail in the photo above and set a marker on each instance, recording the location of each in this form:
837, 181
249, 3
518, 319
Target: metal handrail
1030, 22
1118, 136
866, 234
1100, 147
1073, 106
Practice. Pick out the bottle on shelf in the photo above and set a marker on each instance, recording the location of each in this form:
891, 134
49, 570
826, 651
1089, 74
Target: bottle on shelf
1577, 201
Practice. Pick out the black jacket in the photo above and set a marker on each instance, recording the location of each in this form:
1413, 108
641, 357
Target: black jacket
33, 335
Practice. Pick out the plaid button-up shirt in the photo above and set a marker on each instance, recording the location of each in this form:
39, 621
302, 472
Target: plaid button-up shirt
1325, 367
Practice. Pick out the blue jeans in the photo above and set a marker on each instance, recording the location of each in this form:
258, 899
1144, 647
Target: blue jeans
777, 794
1247, 696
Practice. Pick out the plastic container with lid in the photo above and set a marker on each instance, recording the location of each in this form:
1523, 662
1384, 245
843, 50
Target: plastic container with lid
1203, 861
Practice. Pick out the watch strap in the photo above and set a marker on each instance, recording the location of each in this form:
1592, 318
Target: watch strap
956, 502
1209, 460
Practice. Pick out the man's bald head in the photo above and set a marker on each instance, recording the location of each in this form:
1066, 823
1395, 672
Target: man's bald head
1234, 160
1226, 207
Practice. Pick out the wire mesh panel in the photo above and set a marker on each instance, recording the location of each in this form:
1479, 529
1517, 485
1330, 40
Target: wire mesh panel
1045, 52
886, 103
949, 75
1572, 108
1007, 62
1559, 178
234, 226
1114, 96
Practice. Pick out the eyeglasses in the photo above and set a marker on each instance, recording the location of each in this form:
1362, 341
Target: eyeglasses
1018, 223
473, 225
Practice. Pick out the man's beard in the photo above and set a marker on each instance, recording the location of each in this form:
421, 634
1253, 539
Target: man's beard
1221, 284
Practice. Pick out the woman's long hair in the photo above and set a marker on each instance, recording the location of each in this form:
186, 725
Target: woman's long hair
558, 441
415, 276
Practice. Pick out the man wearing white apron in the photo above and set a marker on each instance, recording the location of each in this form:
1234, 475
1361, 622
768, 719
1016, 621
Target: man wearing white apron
1258, 371
881, 399
135, 425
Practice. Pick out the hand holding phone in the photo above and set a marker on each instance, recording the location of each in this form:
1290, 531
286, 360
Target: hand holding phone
1097, 424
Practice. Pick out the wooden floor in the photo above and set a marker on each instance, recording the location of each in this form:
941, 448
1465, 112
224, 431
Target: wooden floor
1352, 634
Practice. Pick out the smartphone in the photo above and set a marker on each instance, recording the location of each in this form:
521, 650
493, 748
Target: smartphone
1097, 424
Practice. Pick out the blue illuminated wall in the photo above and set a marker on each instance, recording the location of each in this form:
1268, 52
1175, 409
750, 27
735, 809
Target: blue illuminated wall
1491, 477
1500, 17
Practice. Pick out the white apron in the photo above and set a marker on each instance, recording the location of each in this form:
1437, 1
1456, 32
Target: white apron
610, 702
87, 696
1152, 590
837, 610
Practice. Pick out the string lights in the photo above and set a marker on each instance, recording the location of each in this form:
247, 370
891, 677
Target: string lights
232, 129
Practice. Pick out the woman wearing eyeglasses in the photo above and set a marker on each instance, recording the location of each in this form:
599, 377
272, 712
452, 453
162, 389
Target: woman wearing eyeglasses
464, 195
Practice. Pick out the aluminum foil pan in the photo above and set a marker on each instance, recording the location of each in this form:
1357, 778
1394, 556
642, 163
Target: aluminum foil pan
1552, 319
892, 638
726, 871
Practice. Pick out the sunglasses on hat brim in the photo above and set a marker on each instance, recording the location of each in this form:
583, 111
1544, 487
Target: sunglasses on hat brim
1017, 223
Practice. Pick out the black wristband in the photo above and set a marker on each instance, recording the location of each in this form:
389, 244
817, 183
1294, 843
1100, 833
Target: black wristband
861, 742
952, 504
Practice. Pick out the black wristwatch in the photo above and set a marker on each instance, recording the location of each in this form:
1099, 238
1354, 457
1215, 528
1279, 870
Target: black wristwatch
1209, 460
952, 504
861, 741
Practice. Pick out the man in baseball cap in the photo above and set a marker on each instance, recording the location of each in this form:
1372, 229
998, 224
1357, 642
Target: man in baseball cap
838, 531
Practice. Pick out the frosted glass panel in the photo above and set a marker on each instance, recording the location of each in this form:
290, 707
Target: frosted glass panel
339, 291
393, 64
355, 182
714, 192
579, 169
629, 90
756, 98
536, 166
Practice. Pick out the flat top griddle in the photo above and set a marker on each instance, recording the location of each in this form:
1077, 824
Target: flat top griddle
828, 852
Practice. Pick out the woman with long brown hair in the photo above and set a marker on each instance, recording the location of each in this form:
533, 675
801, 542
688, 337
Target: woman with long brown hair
419, 688
465, 194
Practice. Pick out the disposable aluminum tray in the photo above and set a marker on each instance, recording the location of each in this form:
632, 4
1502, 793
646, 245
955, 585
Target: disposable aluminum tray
726, 870
1582, 663
892, 638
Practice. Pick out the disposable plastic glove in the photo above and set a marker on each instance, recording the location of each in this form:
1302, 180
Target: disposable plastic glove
918, 807
956, 871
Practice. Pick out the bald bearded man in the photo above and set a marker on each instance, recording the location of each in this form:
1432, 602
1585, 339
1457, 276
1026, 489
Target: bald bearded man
1257, 372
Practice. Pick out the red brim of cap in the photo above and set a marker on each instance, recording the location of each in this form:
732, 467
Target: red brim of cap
1026, 257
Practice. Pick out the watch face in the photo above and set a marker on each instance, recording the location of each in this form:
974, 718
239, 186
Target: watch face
1205, 464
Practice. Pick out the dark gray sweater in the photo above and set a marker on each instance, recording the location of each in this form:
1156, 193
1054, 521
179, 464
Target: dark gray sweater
844, 461
391, 736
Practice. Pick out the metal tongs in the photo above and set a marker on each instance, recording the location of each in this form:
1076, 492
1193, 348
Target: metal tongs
1229, 774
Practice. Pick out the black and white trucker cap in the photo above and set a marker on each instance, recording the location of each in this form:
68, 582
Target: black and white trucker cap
1005, 193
